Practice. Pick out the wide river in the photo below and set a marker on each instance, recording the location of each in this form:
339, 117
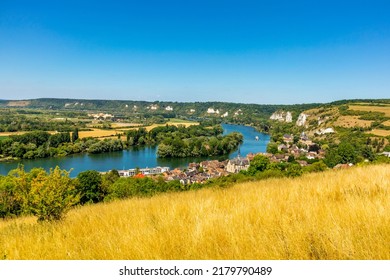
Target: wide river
138, 157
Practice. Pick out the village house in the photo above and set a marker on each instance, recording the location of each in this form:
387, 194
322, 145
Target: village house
282, 148
288, 138
144, 171
237, 164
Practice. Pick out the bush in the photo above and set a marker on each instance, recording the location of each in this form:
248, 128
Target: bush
47, 196
258, 164
51, 196
294, 170
89, 185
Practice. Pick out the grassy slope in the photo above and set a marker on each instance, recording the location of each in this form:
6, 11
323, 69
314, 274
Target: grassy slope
332, 215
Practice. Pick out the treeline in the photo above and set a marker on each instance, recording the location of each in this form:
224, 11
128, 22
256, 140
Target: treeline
199, 146
41, 144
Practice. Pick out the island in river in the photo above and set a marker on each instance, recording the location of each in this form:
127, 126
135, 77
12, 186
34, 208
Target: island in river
139, 156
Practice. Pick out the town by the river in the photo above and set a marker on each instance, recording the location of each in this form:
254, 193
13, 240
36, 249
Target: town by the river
254, 142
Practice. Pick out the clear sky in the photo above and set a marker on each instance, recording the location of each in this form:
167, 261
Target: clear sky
264, 51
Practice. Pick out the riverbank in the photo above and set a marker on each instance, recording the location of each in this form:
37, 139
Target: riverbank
136, 156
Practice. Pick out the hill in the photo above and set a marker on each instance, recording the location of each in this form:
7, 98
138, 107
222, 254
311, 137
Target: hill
340, 214
245, 113
371, 117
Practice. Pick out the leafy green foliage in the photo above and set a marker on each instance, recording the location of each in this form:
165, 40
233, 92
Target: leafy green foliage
258, 164
89, 186
47, 196
294, 170
52, 195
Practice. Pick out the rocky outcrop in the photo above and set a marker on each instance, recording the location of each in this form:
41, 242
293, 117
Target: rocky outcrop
301, 119
281, 116
288, 117
325, 131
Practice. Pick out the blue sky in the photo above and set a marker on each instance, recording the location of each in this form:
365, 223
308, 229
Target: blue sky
267, 52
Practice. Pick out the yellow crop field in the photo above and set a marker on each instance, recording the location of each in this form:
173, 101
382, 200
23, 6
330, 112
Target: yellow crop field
387, 123
181, 122
342, 214
351, 121
385, 110
380, 132
20, 133
150, 127
98, 133
119, 125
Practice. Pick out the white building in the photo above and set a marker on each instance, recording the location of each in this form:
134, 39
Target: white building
237, 164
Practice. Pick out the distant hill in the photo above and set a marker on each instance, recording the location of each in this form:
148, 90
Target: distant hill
372, 117
194, 110
331, 215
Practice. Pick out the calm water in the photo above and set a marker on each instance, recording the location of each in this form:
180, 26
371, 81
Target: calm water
137, 157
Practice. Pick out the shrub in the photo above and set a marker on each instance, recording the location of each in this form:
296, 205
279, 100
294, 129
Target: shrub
47, 196
89, 185
51, 196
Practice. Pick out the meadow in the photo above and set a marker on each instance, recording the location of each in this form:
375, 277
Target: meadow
352, 121
341, 214
381, 109
380, 132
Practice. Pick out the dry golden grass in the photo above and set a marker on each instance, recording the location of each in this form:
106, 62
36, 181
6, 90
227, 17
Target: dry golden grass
341, 214
380, 132
150, 127
119, 125
98, 133
20, 132
387, 123
351, 121
385, 110
21, 103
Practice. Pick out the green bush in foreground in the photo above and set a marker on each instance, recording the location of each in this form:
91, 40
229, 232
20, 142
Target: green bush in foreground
47, 196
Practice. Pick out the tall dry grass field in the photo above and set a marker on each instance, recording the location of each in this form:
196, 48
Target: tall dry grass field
351, 121
380, 132
383, 109
332, 215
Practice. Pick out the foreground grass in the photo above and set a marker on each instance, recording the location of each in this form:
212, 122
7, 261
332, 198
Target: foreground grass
332, 215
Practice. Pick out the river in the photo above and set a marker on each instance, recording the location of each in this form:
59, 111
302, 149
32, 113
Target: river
138, 157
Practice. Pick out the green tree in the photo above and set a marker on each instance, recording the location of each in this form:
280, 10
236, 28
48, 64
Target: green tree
258, 164
347, 153
52, 195
75, 134
272, 148
294, 170
89, 185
